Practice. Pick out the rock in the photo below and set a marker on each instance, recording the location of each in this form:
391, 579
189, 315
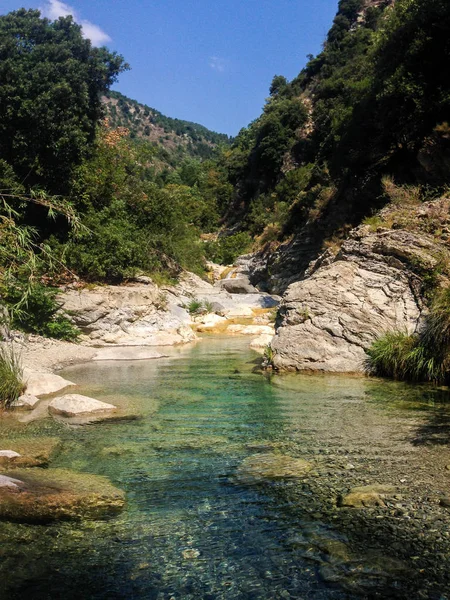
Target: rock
43, 384
261, 342
238, 286
126, 353
28, 452
329, 319
10, 483
217, 307
210, 320
250, 329
44, 495
138, 314
75, 405
8, 454
25, 402
368, 496
238, 310
268, 467
445, 501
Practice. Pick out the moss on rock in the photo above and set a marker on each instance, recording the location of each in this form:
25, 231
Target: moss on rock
58, 494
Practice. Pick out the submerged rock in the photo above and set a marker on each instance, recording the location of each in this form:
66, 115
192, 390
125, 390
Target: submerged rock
33, 496
28, 452
75, 405
367, 496
266, 467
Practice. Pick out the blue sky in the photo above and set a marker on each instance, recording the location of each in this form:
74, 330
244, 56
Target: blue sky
208, 61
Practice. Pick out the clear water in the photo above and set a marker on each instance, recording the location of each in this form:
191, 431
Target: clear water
189, 530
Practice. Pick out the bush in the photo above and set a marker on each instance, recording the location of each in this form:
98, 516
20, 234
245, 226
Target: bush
389, 355
423, 357
225, 250
35, 310
11, 376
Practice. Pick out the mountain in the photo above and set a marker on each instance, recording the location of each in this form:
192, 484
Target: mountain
176, 136
372, 108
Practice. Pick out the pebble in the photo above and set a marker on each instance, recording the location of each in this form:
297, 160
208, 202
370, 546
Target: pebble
190, 554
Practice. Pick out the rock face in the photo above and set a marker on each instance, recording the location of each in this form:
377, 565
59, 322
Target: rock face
329, 319
138, 314
75, 405
141, 314
43, 495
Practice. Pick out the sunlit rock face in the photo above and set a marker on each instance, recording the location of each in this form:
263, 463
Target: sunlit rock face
329, 319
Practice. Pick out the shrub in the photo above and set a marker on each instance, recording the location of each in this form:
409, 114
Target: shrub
423, 357
35, 310
389, 355
194, 307
11, 376
225, 250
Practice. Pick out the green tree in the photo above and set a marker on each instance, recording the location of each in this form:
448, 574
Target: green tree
51, 81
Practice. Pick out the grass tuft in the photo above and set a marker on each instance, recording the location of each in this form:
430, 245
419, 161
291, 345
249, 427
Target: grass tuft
11, 376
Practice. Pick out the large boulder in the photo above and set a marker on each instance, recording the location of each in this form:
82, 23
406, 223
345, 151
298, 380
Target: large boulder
130, 315
329, 319
44, 495
238, 286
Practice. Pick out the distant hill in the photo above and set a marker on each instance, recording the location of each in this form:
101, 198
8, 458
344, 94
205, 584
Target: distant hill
174, 135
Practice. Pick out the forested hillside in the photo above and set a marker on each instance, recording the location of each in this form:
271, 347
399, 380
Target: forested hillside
374, 103
176, 136
100, 187
81, 198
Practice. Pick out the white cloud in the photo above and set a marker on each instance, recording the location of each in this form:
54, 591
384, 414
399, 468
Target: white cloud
217, 64
54, 9
93, 32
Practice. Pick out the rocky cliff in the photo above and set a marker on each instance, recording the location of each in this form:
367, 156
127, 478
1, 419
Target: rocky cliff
375, 283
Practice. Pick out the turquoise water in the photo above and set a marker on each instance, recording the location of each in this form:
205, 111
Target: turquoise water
190, 531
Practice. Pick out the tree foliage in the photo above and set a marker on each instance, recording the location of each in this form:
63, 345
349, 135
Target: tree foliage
51, 80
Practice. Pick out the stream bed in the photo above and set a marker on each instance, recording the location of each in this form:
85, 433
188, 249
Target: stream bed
192, 530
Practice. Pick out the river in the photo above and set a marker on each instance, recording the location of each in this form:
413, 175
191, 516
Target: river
192, 530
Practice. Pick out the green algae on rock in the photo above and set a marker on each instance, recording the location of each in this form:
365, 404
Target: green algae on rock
33, 452
58, 494
265, 467
367, 496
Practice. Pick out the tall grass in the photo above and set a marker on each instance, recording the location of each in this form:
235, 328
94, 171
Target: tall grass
11, 376
389, 355
423, 357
